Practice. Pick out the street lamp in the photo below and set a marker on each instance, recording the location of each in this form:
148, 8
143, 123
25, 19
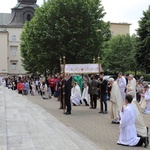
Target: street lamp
98, 63
94, 60
64, 64
60, 64
98, 59
60, 60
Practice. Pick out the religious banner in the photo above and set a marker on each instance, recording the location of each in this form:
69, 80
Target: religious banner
82, 68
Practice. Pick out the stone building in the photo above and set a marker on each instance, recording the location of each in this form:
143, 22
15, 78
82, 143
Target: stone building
119, 28
10, 30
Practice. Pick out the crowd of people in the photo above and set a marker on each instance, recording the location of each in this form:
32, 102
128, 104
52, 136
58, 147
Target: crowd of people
127, 95
46, 87
126, 111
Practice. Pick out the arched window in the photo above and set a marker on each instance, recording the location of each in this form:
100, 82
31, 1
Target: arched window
28, 17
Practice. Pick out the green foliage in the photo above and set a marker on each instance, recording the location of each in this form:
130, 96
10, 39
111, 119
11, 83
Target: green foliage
63, 27
146, 76
143, 40
119, 54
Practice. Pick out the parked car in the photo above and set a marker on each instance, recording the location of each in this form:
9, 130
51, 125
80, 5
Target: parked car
106, 77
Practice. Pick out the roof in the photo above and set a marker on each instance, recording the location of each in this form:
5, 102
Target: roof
5, 18
20, 6
120, 23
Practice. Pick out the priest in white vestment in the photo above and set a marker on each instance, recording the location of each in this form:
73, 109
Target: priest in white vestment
128, 134
85, 95
117, 101
147, 99
141, 128
131, 86
75, 94
142, 102
139, 121
122, 84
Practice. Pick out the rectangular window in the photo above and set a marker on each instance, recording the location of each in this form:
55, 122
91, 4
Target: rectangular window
13, 66
13, 37
13, 51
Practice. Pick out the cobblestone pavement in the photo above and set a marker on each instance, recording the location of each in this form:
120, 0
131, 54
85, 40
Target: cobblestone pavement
96, 127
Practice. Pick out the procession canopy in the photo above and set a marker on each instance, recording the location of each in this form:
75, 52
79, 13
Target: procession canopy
81, 68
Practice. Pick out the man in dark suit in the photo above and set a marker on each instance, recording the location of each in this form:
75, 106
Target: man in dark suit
93, 92
68, 86
103, 87
61, 90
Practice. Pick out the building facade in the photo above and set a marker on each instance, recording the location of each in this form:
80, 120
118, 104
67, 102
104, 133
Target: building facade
10, 60
119, 28
11, 28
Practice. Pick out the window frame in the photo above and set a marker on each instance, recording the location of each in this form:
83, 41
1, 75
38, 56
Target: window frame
13, 51
14, 38
13, 65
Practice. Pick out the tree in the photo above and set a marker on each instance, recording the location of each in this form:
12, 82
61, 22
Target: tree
143, 40
63, 27
119, 54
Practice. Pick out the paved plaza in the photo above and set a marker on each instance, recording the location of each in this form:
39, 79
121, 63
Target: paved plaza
32, 123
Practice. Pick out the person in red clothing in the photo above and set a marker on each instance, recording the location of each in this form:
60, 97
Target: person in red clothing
51, 81
20, 87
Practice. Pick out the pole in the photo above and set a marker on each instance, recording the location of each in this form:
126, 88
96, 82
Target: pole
99, 64
59, 97
99, 83
92, 85
60, 63
93, 60
64, 104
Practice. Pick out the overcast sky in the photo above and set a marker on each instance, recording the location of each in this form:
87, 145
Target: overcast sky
129, 11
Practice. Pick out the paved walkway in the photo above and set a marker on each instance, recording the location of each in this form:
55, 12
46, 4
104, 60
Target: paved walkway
31, 123
96, 127
27, 126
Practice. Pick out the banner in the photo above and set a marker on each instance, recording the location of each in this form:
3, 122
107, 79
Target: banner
83, 68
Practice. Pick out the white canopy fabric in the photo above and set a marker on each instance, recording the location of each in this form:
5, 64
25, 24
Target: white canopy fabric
82, 68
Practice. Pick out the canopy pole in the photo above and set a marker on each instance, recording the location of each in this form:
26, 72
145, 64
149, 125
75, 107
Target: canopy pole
98, 63
64, 104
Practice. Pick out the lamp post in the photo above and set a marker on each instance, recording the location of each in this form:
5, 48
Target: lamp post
60, 60
98, 59
100, 85
64, 64
98, 63
93, 60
